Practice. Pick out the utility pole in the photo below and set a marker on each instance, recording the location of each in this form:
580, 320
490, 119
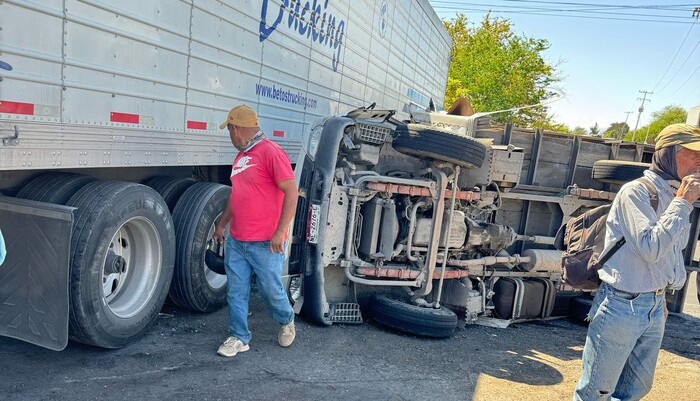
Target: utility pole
696, 12
641, 109
620, 133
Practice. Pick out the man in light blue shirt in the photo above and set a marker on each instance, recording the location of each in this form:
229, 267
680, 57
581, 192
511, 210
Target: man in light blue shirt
629, 311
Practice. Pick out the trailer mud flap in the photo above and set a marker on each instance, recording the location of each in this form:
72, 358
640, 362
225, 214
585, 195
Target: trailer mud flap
34, 279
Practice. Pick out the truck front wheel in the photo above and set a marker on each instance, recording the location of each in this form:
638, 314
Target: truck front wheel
402, 316
122, 257
420, 141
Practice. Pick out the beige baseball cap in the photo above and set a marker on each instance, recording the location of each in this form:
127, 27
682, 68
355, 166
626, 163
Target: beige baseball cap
685, 135
241, 116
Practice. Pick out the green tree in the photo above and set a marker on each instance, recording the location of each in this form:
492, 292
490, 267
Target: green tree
616, 130
578, 131
554, 126
496, 70
595, 130
671, 114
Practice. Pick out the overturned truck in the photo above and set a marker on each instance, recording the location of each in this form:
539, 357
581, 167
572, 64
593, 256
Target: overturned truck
436, 221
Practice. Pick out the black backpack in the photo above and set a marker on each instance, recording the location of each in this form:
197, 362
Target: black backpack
582, 239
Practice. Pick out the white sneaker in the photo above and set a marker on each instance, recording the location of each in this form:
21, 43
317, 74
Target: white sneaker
286, 335
232, 346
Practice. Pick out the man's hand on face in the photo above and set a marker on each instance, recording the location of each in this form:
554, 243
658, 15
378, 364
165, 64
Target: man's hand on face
277, 242
690, 188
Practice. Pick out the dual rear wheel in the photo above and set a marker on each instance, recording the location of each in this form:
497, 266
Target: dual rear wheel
133, 245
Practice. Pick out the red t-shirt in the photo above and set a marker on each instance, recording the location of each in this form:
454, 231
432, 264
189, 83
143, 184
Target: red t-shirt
256, 200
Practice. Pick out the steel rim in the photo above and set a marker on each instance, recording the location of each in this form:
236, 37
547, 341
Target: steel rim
215, 280
128, 292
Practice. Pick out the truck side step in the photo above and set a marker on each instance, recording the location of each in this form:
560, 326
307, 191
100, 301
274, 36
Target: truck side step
348, 313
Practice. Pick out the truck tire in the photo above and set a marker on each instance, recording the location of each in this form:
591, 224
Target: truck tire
170, 188
421, 141
195, 286
618, 171
426, 322
122, 257
56, 188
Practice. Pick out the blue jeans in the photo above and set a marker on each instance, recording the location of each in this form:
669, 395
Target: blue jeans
623, 342
242, 259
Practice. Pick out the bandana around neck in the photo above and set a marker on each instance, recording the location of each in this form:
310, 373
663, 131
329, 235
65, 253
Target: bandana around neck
256, 139
663, 163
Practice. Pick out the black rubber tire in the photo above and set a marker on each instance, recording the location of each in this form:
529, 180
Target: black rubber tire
170, 188
103, 207
194, 215
422, 141
579, 307
56, 188
401, 316
618, 171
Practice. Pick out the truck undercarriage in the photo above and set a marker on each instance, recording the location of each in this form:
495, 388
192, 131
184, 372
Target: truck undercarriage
405, 219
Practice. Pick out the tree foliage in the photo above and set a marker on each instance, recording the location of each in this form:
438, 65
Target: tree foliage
496, 70
595, 130
578, 131
660, 119
616, 130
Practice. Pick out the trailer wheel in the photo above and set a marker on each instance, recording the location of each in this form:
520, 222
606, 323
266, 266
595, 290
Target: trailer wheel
618, 171
122, 257
195, 286
54, 188
170, 188
421, 141
427, 322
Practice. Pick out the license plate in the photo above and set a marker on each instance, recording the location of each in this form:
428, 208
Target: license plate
314, 216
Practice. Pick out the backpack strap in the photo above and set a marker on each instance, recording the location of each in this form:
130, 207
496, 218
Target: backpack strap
653, 193
654, 200
611, 252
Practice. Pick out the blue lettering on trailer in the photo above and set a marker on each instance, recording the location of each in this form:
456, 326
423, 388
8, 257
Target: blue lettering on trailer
285, 95
308, 21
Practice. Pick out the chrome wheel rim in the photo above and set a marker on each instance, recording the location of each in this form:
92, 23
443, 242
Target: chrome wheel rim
215, 280
131, 267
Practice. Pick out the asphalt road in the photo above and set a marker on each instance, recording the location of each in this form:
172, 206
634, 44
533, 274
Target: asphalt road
176, 360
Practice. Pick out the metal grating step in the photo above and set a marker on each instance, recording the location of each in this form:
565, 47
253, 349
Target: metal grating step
346, 313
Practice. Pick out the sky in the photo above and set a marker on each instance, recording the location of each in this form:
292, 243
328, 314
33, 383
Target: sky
604, 63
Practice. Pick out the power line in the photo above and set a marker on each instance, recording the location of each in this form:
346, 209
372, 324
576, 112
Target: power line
577, 4
597, 7
545, 14
696, 14
597, 10
684, 82
681, 67
601, 11
675, 55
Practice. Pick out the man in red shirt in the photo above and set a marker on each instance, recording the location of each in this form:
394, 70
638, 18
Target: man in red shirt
260, 208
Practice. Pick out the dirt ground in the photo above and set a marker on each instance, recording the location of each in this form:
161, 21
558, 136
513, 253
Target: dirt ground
176, 360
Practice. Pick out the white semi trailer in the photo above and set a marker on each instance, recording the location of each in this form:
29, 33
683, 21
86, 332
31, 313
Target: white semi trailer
112, 165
